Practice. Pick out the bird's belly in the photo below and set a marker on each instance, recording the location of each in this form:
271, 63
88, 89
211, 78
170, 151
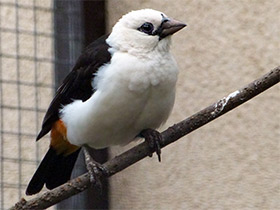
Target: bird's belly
127, 100
116, 117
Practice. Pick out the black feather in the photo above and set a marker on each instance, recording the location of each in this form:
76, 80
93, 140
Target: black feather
77, 85
54, 170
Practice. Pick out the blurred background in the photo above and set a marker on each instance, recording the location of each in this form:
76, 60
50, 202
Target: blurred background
231, 163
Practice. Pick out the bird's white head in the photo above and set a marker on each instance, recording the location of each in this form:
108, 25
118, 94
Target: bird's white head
143, 31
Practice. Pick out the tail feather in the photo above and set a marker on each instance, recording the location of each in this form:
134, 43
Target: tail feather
53, 171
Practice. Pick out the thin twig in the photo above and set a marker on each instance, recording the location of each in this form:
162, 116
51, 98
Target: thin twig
170, 135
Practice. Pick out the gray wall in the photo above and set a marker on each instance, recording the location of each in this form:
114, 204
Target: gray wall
233, 162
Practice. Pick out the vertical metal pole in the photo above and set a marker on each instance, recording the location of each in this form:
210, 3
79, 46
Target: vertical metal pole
76, 24
94, 27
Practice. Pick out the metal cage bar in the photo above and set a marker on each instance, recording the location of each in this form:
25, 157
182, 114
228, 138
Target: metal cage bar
76, 24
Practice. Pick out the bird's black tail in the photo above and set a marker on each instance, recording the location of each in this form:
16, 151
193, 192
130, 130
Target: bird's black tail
53, 171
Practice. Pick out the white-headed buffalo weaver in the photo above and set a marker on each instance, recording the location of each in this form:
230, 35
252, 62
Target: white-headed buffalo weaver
122, 87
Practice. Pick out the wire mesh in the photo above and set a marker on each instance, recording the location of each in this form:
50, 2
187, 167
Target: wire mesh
40, 41
26, 88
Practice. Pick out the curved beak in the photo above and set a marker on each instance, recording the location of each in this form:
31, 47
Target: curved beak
169, 27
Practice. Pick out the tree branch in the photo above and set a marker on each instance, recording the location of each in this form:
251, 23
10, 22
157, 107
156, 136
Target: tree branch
170, 135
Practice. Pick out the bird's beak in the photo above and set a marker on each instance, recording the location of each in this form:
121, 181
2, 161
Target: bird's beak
170, 26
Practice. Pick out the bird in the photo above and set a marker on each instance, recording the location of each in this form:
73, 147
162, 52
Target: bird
122, 87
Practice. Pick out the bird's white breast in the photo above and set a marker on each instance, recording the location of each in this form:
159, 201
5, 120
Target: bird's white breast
131, 94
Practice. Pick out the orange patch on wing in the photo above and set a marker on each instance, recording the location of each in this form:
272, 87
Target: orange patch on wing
59, 139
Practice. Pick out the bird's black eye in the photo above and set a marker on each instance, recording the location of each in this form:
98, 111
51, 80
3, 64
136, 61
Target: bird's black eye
147, 28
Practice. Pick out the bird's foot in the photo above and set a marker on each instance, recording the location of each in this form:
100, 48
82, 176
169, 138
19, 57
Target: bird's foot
153, 138
95, 170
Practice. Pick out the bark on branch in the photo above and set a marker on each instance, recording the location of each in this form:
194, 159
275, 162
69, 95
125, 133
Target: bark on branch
170, 135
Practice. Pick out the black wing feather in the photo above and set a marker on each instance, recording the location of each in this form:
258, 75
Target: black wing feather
77, 85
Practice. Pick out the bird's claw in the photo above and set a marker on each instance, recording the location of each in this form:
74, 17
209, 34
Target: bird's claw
95, 170
153, 138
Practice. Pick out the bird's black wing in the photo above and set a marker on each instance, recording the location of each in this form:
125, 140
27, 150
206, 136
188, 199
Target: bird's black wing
77, 85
